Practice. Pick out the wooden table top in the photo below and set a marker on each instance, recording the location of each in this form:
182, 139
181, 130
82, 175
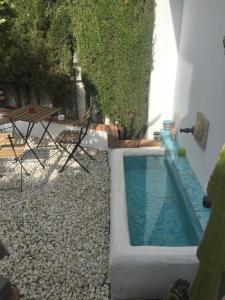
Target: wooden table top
23, 114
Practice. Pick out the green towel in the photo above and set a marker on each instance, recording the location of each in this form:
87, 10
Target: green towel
211, 252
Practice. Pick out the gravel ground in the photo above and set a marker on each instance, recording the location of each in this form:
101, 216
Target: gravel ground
57, 230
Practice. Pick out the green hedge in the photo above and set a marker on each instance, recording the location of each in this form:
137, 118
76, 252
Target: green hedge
40, 47
113, 40
114, 45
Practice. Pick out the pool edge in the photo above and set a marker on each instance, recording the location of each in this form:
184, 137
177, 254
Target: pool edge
140, 271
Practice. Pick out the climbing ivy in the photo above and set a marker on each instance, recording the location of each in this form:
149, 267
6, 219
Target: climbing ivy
114, 45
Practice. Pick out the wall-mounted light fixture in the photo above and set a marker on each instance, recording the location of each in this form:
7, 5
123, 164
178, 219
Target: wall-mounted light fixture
224, 44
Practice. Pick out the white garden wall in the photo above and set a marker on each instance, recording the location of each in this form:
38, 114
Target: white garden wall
166, 36
200, 83
95, 138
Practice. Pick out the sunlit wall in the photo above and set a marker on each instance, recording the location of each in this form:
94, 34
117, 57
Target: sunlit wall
200, 82
167, 36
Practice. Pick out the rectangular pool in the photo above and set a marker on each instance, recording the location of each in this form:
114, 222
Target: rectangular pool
156, 210
154, 229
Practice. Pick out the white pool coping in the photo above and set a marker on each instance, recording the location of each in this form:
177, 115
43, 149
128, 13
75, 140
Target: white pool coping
140, 271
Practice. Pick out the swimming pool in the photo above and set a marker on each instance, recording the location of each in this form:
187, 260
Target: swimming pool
145, 258
157, 214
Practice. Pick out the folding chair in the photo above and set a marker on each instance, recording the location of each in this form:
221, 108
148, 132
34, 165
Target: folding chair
9, 150
75, 138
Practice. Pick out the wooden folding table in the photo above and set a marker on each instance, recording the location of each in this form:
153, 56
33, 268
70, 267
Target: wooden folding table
33, 114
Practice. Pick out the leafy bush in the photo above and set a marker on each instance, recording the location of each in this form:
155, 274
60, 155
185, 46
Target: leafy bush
40, 54
114, 46
6, 22
113, 40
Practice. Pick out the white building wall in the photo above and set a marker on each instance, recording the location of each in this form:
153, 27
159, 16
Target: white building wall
166, 36
200, 84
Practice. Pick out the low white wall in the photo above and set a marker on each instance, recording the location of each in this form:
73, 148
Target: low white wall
94, 139
167, 36
200, 84
140, 271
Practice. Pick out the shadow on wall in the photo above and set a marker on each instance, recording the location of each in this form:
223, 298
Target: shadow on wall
154, 120
151, 123
175, 7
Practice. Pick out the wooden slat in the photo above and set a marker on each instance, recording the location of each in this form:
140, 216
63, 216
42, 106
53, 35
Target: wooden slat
23, 114
32, 116
26, 115
44, 113
7, 151
15, 113
67, 137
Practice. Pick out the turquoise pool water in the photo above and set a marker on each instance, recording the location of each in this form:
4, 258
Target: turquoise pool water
156, 211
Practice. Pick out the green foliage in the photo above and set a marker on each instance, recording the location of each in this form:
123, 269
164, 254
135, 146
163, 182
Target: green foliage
6, 13
114, 45
6, 21
39, 55
113, 40
60, 38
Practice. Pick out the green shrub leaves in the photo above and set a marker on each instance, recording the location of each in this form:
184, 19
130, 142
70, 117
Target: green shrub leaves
114, 45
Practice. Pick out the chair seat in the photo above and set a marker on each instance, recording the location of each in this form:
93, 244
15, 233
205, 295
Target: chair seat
7, 151
67, 137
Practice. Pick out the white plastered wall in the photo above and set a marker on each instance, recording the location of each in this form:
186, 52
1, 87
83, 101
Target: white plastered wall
200, 84
163, 77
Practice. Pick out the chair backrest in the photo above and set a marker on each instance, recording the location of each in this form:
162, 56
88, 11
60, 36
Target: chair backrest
85, 124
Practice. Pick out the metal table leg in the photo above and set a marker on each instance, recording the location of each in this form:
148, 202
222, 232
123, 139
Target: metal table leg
29, 129
26, 140
46, 131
